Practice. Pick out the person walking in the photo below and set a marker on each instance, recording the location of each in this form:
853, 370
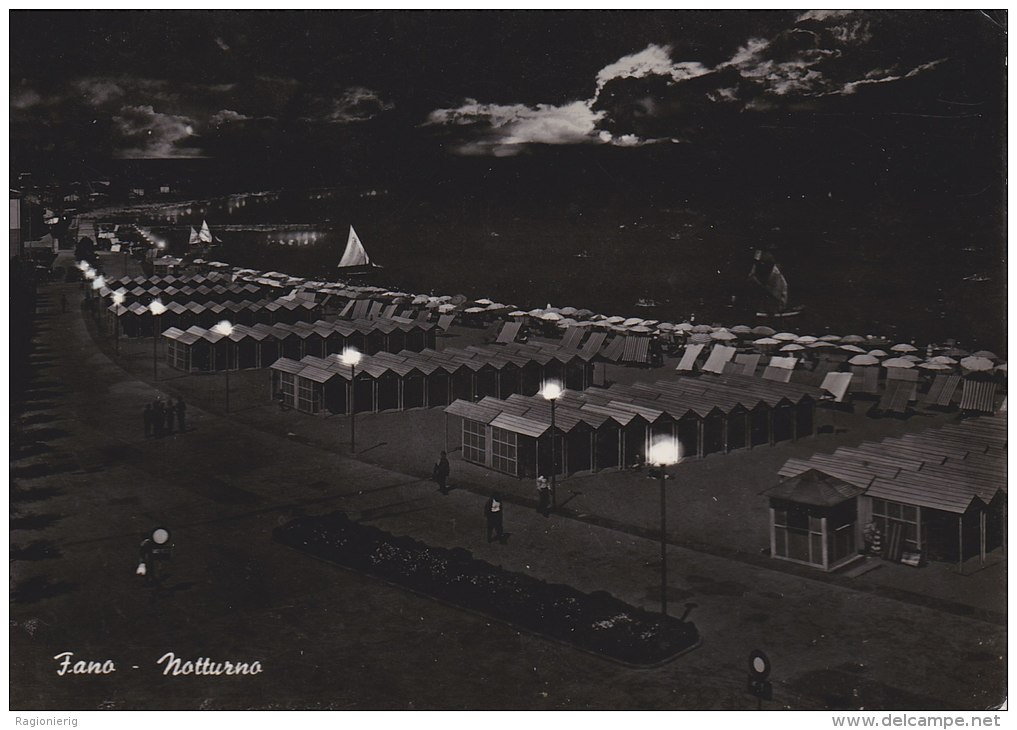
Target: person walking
147, 416
158, 419
170, 415
440, 473
493, 514
181, 415
543, 496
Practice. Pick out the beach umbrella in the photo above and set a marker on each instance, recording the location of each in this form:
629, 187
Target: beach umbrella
792, 348
863, 359
552, 310
763, 331
614, 319
976, 364
584, 314
957, 352
632, 322
566, 322
904, 347
879, 353
699, 338
474, 310
651, 322
741, 329
598, 317
821, 345
420, 299
701, 329
483, 302
785, 336
641, 329
934, 366
517, 313
569, 311
1001, 368
852, 348
806, 340
986, 354
551, 317
898, 362
666, 327
852, 339
723, 336
536, 312
446, 308
913, 358
766, 342
683, 327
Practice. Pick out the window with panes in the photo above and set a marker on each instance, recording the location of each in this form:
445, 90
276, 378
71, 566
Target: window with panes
504, 451
885, 514
474, 441
797, 534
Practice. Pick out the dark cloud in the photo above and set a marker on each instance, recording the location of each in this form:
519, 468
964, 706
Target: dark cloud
650, 97
355, 104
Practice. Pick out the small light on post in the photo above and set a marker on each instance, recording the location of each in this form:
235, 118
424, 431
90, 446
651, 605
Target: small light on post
155, 308
225, 328
663, 452
118, 299
351, 356
552, 392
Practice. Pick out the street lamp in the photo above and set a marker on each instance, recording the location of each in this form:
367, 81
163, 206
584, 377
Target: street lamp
225, 328
118, 299
552, 392
156, 308
97, 285
351, 356
663, 453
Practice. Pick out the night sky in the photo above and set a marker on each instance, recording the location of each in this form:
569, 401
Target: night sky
861, 126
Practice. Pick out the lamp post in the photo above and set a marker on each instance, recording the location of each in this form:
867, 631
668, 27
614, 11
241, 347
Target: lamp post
98, 283
552, 392
663, 453
118, 300
225, 328
156, 308
351, 356
89, 278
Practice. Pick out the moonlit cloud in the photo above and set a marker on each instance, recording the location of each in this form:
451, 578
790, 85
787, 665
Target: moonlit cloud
152, 134
648, 96
226, 116
653, 60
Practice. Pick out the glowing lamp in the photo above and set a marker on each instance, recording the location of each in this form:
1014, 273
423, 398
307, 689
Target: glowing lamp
551, 391
351, 357
664, 452
224, 328
99, 282
156, 307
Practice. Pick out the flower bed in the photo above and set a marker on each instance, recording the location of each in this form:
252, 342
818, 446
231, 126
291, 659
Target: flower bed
596, 622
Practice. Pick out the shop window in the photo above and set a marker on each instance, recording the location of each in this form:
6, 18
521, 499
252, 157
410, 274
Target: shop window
504, 451
474, 441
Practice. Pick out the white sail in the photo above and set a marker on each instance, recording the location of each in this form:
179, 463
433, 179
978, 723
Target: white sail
355, 253
194, 240
206, 234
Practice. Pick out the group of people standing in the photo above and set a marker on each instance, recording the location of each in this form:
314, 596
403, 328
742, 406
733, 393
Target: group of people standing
493, 508
165, 418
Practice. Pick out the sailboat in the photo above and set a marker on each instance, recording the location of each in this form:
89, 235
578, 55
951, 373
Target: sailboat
767, 274
355, 259
194, 240
205, 236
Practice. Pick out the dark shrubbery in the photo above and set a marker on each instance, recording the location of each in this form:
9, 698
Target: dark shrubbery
597, 622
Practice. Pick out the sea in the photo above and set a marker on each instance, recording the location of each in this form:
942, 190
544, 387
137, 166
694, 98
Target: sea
910, 275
